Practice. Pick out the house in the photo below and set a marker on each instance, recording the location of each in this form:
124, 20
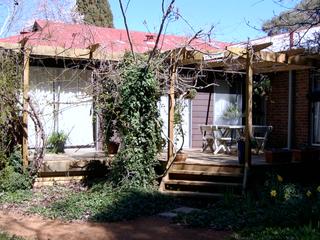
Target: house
61, 81
60, 72
291, 107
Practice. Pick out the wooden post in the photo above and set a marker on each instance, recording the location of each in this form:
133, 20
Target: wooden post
171, 104
26, 71
249, 87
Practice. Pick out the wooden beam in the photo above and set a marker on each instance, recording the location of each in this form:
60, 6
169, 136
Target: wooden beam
171, 105
271, 57
259, 47
26, 72
249, 87
61, 52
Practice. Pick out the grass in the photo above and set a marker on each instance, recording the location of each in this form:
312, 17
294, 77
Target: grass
276, 233
6, 236
100, 203
106, 205
282, 211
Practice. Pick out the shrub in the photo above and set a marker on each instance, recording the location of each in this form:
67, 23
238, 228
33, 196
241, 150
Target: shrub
12, 176
5, 236
300, 233
11, 181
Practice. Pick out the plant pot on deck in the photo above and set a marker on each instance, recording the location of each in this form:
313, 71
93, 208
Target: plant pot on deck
305, 155
278, 156
112, 147
181, 157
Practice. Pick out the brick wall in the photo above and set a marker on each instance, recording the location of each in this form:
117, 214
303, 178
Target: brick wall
199, 113
277, 109
301, 108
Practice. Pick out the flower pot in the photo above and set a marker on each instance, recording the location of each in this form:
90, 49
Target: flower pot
278, 156
112, 147
60, 147
181, 157
305, 155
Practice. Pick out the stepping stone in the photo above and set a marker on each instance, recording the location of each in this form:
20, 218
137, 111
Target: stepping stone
173, 213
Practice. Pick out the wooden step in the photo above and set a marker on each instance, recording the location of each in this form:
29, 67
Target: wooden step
205, 176
202, 183
207, 167
202, 186
50, 181
191, 194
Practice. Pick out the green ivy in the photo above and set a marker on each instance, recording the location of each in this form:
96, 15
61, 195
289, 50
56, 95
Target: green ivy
137, 123
10, 91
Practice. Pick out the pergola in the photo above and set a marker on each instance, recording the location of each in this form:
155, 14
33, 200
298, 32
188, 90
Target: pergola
254, 59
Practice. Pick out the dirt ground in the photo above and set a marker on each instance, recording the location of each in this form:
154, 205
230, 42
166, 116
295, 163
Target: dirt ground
34, 227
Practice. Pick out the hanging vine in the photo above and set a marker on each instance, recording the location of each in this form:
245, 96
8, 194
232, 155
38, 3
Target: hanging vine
133, 113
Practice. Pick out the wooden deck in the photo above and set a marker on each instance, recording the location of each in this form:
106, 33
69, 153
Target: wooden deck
195, 155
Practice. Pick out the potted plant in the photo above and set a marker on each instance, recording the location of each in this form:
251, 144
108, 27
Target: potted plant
278, 155
232, 113
305, 154
56, 142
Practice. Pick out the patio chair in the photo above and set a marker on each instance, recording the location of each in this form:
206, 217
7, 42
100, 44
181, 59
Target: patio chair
207, 137
221, 141
261, 134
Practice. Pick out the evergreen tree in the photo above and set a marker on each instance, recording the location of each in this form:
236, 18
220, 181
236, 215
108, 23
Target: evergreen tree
95, 12
304, 14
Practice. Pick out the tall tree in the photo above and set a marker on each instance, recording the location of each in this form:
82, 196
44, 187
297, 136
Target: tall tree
96, 12
304, 14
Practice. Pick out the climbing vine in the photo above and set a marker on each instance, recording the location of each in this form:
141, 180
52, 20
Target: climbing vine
132, 114
10, 112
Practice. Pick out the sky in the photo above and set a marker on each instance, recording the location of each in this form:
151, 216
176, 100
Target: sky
233, 20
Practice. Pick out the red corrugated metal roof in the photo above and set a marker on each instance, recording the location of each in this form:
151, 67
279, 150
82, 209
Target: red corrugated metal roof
57, 34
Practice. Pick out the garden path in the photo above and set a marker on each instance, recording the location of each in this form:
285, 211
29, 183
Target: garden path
35, 227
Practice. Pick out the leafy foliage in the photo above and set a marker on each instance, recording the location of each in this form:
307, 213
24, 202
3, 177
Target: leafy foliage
105, 203
5, 236
276, 233
304, 14
134, 113
96, 12
10, 90
12, 176
281, 205
10, 180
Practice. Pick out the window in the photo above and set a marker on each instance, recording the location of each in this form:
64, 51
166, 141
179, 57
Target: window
316, 123
315, 78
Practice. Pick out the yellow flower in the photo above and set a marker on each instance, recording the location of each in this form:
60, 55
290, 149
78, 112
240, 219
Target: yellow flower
273, 193
308, 193
280, 179
318, 188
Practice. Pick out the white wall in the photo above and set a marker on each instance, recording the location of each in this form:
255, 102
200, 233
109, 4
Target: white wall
163, 106
75, 107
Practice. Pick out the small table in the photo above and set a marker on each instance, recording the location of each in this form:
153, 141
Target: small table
226, 135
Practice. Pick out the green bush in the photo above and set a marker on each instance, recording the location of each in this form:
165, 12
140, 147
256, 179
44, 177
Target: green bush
12, 176
299, 233
6, 236
11, 181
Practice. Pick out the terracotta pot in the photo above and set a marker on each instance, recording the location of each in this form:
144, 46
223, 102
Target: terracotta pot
112, 147
181, 157
305, 155
278, 156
